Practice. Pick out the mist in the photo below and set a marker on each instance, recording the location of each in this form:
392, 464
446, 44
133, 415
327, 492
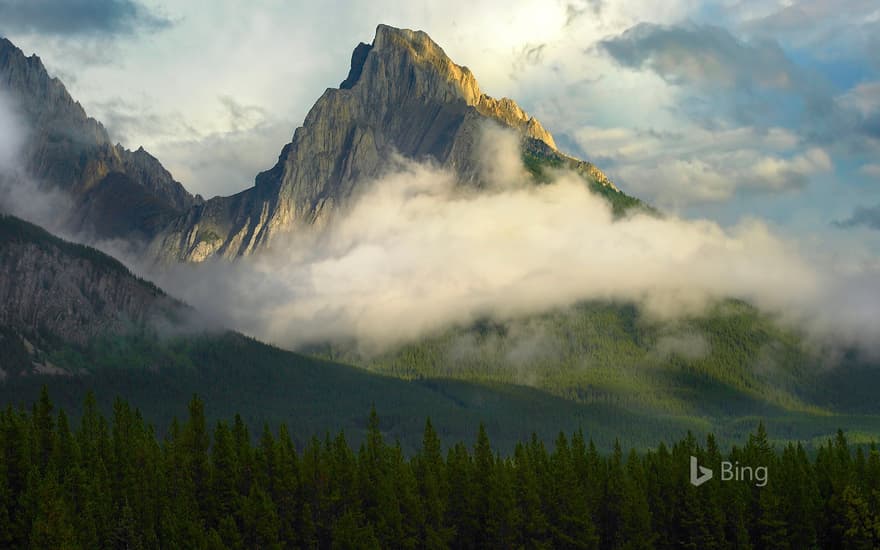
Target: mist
416, 253
19, 193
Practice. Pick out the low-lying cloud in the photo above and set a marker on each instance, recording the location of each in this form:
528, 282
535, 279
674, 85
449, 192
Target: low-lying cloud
417, 253
20, 194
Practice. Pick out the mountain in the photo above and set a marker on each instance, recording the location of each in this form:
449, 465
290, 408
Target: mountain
70, 310
402, 95
54, 291
77, 321
114, 192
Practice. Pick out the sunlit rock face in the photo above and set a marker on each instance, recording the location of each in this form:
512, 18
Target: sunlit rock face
403, 95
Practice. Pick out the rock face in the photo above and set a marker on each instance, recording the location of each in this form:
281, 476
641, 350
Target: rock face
402, 94
65, 149
72, 292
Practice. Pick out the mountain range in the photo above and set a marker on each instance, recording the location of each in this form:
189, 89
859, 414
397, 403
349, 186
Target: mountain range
79, 319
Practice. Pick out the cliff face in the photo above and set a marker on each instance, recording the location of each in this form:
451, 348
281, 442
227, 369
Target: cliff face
403, 94
65, 149
72, 292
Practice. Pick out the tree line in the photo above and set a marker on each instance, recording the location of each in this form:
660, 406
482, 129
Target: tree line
115, 484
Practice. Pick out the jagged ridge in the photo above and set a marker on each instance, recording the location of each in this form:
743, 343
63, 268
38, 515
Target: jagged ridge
66, 149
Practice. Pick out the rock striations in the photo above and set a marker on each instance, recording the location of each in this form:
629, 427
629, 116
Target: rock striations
402, 95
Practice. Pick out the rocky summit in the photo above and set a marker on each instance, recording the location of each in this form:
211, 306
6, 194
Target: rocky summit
402, 95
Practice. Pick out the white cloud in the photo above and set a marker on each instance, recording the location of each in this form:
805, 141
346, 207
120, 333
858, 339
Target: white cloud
693, 165
417, 253
11, 135
863, 98
19, 194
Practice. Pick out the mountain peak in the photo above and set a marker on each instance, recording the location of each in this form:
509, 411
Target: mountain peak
425, 53
403, 55
402, 96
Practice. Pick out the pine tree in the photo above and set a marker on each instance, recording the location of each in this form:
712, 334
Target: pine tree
635, 527
52, 527
407, 495
533, 525
259, 520
44, 430
287, 493
380, 505
570, 514
461, 505
6, 504
429, 470
224, 477
195, 443
317, 518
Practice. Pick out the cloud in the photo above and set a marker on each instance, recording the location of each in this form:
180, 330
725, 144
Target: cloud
127, 121
702, 55
224, 163
574, 10
695, 165
721, 77
417, 253
19, 194
864, 99
244, 140
859, 110
688, 345
805, 15
79, 17
11, 134
864, 216
871, 170
828, 29
529, 54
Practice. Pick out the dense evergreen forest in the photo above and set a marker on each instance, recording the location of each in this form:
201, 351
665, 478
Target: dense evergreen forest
114, 484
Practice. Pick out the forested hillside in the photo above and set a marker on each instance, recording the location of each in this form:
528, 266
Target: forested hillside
730, 360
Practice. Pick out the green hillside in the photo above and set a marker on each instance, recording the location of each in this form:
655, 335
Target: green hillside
233, 373
727, 368
732, 360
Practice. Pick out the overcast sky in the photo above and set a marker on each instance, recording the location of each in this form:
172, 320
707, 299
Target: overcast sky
723, 109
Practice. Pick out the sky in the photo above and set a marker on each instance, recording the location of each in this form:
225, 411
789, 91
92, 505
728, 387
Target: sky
755, 124
707, 108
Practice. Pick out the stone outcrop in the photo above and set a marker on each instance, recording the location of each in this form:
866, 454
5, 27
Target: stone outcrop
402, 95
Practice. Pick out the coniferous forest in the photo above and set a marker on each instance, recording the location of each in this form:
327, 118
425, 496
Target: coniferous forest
114, 484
